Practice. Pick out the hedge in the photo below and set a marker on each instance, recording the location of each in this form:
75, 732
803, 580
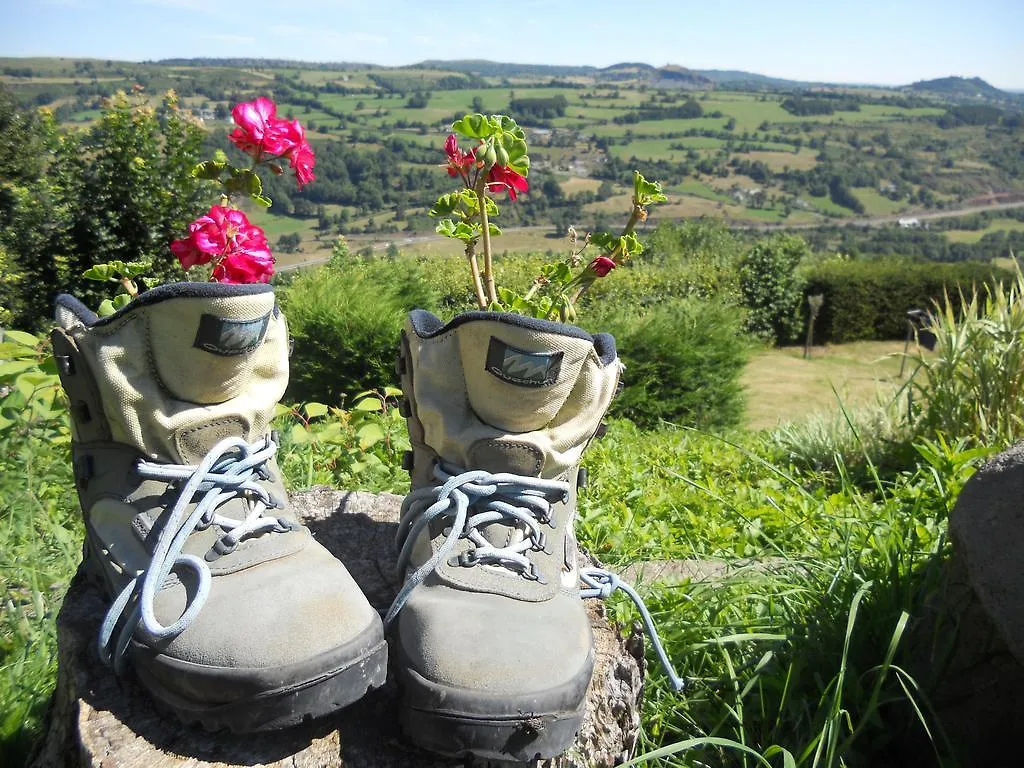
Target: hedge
869, 299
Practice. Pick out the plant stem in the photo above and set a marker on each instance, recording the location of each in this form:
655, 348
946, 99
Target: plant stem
634, 217
474, 267
485, 235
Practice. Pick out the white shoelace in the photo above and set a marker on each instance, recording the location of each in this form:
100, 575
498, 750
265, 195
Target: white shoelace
230, 470
509, 499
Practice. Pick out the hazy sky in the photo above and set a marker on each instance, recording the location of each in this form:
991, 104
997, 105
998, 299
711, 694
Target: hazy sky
862, 41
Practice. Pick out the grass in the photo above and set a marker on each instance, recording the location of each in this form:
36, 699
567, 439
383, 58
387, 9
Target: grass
795, 658
973, 236
782, 386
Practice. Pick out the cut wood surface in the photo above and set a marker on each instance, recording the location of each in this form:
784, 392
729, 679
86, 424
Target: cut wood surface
100, 720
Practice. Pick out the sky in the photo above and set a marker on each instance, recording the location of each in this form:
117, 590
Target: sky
858, 41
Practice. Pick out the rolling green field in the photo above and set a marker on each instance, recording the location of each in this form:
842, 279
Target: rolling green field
737, 142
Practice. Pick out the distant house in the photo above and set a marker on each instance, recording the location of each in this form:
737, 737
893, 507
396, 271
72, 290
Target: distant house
204, 114
886, 187
909, 223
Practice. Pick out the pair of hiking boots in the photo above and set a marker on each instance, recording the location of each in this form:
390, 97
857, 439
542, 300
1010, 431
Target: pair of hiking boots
229, 611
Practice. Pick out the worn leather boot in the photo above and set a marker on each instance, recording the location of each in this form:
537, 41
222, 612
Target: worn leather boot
228, 610
490, 640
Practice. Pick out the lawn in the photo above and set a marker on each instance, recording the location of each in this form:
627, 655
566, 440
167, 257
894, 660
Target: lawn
782, 386
975, 235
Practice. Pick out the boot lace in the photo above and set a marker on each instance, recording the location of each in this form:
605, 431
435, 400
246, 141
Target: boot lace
230, 470
509, 499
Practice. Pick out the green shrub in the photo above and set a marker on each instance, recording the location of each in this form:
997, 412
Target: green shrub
870, 299
864, 441
345, 325
696, 258
972, 386
683, 359
771, 288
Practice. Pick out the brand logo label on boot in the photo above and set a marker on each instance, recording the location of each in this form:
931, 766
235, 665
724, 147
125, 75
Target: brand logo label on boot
223, 336
524, 369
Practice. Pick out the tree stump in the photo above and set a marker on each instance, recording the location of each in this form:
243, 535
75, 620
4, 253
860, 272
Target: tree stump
97, 719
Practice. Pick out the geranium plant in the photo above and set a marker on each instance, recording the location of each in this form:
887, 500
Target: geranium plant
495, 159
223, 241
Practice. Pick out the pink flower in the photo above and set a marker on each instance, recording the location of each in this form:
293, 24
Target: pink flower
251, 266
459, 162
259, 132
602, 265
501, 179
300, 156
224, 236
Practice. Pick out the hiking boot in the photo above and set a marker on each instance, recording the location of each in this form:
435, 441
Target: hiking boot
230, 613
490, 640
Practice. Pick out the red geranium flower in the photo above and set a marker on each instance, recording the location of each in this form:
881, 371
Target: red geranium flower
224, 236
459, 162
259, 132
501, 179
602, 265
300, 155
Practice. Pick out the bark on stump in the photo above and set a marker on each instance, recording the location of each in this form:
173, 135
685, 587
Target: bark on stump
98, 720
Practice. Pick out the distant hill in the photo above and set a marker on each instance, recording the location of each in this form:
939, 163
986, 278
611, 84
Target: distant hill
737, 78
963, 87
485, 68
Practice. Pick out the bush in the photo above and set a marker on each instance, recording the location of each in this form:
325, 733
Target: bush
972, 386
772, 291
683, 359
870, 299
345, 326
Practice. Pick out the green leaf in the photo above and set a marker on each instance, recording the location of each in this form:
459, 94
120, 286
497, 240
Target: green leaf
630, 245
475, 126
98, 272
606, 241
300, 435
393, 392
262, 200
493, 229
10, 349
11, 367
446, 204
280, 409
21, 337
121, 300
29, 382
368, 404
446, 228
135, 269
106, 308
646, 192
369, 434
210, 169
313, 410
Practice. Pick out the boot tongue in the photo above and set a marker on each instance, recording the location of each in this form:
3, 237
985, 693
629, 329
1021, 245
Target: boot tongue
517, 377
189, 364
203, 348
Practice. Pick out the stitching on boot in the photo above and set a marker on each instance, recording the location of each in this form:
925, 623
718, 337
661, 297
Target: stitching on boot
182, 436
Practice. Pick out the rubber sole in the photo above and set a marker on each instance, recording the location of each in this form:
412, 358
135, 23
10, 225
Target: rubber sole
523, 739
459, 722
284, 707
318, 692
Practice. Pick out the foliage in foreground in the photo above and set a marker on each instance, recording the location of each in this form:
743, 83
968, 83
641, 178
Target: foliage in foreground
797, 647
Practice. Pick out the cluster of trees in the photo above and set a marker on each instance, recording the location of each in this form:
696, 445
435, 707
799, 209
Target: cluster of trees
805, 106
689, 109
538, 107
69, 199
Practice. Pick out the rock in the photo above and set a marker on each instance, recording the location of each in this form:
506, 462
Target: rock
99, 720
966, 647
987, 529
